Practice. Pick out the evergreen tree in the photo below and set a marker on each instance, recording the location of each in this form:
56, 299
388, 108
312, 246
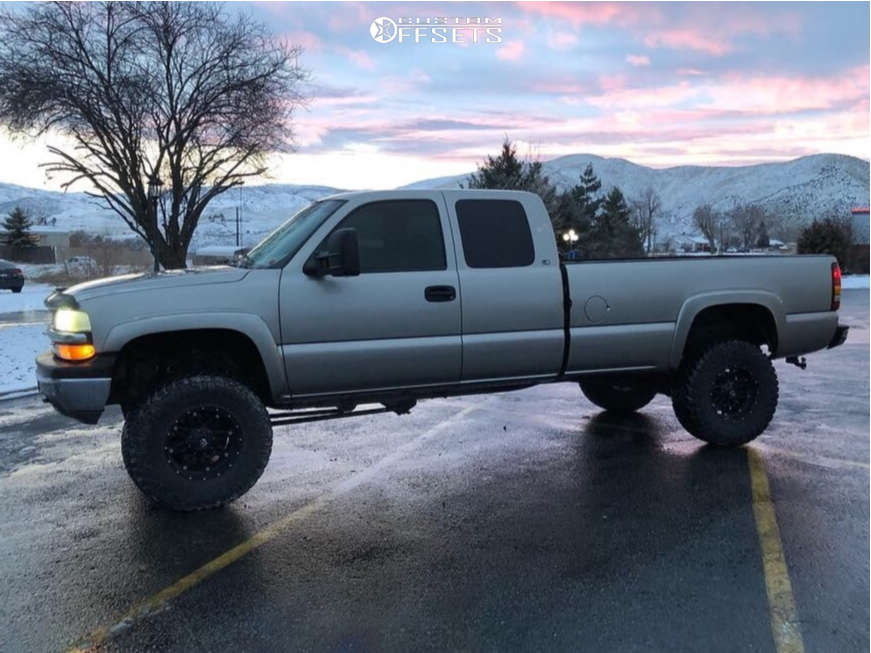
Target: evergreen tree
831, 235
503, 172
586, 193
763, 241
577, 208
507, 171
612, 234
16, 229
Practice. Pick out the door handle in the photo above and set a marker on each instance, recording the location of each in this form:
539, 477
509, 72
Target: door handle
440, 293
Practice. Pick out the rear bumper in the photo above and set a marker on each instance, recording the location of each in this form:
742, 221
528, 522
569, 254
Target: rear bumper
77, 390
840, 336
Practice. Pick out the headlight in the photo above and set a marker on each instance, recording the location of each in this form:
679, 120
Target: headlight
71, 321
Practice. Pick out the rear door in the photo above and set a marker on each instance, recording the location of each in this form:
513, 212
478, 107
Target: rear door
510, 286
397, 324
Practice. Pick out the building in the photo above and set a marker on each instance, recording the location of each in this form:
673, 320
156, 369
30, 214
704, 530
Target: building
51, 237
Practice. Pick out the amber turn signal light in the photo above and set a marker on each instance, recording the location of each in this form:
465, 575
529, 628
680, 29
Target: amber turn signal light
74, 352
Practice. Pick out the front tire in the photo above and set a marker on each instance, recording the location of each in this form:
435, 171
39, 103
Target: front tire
622, 396
196, 443
727, 395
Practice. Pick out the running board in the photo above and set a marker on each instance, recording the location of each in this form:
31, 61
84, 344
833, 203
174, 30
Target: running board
284, 417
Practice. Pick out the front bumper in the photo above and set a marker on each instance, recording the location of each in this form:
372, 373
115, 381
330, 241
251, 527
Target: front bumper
840, 336
77, 390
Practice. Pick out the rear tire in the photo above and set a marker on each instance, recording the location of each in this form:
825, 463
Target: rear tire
16, 290
727, 394
621, 396
196, 443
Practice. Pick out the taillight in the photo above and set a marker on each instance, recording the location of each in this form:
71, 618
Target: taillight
17, 272
836, 286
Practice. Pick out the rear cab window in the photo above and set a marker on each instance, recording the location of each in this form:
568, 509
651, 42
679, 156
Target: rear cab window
494, 233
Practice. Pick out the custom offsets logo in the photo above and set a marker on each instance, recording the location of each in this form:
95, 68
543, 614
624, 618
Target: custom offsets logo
437, 29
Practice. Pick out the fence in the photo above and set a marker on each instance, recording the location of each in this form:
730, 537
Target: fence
37, 254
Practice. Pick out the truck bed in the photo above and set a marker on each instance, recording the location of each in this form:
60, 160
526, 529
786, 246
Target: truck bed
637, 312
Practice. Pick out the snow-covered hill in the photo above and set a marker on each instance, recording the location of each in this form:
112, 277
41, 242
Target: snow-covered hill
262, 208
797, 190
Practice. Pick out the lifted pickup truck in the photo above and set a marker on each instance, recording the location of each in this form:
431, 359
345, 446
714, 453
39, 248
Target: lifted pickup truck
391, 297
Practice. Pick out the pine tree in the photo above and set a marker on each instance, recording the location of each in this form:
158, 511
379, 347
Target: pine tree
612, 234
503, 172
577, 209
507, 171
16, 229
831, 235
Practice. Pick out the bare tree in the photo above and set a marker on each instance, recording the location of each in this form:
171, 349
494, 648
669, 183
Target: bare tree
182, 92
746, 219
647, 208
706, 221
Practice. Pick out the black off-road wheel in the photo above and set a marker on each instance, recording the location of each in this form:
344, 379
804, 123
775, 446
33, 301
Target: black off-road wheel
196, 443
618, 395
727, 394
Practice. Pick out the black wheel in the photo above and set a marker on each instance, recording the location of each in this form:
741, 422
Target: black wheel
727, 395
197, 442
16, 290
618, 395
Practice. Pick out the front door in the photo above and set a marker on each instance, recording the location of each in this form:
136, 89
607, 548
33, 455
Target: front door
395, 325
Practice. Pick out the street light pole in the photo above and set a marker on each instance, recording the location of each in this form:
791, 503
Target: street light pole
154, 185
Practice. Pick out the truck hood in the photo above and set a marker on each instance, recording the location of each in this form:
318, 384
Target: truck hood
150, 281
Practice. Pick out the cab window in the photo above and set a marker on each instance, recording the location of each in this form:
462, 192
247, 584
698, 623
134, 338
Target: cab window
398, 236
495, 233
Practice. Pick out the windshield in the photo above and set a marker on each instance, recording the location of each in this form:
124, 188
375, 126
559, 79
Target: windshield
284, 242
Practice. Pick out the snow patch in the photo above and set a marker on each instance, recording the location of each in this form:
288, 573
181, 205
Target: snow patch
19, 346
855, 282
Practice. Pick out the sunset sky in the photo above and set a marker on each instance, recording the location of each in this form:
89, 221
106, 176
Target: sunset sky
658, 84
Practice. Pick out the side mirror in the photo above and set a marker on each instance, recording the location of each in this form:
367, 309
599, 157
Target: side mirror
341, 258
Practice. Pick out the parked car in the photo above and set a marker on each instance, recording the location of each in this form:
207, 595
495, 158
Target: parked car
11, 277
395, 296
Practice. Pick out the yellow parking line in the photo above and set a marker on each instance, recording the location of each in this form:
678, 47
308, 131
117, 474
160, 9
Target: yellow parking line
156, 601
784, 619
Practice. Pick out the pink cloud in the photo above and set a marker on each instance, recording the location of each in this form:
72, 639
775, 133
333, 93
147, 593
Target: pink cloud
696, 28
688, 39
563, 41
558, 86
307, 40
511, 51
579, 13
637, 59
359, 58
737, 93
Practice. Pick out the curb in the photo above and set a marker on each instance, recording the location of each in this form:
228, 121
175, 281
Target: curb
18, 394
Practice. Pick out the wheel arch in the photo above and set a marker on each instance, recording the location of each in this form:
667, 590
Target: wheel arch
241, 337
757, 315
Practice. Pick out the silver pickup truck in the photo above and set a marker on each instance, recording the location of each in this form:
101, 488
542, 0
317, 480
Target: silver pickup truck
389, 297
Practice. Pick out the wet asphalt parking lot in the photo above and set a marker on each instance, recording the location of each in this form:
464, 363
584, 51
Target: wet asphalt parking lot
520, 521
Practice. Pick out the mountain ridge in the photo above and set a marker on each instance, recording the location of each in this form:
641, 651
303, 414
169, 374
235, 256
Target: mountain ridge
796, 191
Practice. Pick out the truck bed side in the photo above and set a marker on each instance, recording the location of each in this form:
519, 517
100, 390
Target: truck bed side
637, 314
